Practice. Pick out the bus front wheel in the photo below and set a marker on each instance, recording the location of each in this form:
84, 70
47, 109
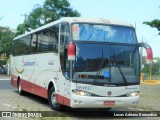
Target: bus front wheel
52, 100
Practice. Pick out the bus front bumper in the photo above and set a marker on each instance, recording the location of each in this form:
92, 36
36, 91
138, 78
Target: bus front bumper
103, 102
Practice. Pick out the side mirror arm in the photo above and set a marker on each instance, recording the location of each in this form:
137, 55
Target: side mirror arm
149, 52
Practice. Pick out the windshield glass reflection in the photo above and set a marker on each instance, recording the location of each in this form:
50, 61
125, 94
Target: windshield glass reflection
103, 33
107, 64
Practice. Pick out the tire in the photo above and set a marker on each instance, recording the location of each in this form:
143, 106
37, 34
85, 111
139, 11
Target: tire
20, 91
52, 100
108, 109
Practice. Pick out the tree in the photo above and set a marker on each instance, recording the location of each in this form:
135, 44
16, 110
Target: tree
22, 28
54, 9
154, 23
6, 37
50, 11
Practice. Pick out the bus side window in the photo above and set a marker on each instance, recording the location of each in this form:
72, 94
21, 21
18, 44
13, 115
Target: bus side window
15, 49
34, 43
19, 49
55, 37
26, 44
48, 39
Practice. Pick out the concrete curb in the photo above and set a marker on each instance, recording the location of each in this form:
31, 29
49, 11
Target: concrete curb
5, 78
151, 82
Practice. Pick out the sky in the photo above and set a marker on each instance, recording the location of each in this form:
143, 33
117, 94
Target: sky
130, 11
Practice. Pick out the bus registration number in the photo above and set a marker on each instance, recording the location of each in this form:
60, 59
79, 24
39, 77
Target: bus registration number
84, 87
109, 103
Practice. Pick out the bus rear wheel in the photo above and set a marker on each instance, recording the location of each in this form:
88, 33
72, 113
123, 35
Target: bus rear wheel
52, 100
20, 91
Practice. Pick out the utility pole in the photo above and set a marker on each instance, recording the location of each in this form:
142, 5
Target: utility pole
150, 75
36, 6
142, 54
25, 15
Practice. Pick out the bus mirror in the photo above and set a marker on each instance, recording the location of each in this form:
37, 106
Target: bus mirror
149, 52
71, 51
149, 57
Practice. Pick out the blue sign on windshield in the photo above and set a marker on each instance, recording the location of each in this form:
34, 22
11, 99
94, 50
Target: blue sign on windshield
106, 73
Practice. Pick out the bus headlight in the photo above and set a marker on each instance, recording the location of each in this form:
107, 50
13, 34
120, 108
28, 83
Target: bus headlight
81, 93
132, 94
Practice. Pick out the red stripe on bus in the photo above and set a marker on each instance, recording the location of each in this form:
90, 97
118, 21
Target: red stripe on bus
30, 87
14, 81
67, 101
63, 100
38, 90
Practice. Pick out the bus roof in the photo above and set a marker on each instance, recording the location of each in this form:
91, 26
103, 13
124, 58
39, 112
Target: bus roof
77, 19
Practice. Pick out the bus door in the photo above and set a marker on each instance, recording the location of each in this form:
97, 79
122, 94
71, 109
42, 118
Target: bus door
64, 38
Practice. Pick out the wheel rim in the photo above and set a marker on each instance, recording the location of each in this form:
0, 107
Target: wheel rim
19, 87
53, 98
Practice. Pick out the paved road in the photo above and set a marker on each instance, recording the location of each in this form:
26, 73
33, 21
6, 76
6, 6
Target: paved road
5, 85
10, 100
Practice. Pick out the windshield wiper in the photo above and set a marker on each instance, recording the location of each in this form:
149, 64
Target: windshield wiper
120, 70
99, 70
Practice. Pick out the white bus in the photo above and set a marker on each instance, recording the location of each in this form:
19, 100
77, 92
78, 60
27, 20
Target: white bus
79, 63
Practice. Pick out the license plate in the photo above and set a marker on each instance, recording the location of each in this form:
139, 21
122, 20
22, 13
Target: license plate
109, 103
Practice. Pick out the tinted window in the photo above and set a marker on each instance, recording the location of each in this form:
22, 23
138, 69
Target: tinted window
107, 63
104, 33
22, 45
42, 41
27, 41
64, 37
34, 43
48, 39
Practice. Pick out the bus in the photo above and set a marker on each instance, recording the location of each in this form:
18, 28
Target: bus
80, 63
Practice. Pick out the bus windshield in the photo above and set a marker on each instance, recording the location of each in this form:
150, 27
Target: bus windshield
104, 33
111, 64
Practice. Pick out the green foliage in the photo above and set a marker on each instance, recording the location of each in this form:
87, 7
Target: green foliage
22, 28
155, 67
50, 11
34, 19
154, 23
6, 37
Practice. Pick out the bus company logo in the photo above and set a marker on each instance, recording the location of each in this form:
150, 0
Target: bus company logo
29, 62
109, 93
19, 65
